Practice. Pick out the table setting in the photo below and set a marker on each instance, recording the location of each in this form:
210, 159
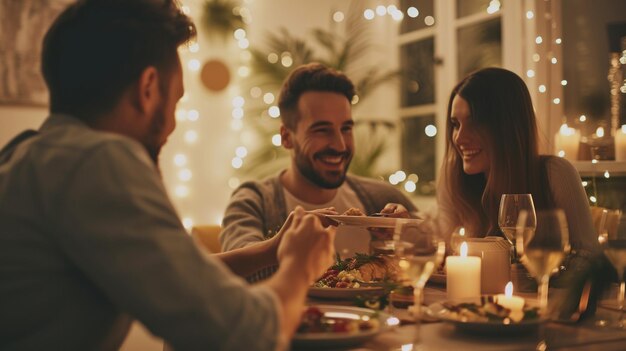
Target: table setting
470, 299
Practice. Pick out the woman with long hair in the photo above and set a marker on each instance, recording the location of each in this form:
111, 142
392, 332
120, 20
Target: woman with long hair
492, 149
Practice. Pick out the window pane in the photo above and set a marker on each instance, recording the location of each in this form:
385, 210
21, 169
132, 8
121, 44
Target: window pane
418, 151
420, 19
479, 46
418, 83
470, 7
587, 42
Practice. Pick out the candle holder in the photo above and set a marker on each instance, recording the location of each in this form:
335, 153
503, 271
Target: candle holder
602, 149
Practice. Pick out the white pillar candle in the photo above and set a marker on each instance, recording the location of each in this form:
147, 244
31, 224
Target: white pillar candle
462, 276
620, 144
566, 142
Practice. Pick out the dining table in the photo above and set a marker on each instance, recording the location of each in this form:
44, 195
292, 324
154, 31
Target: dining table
441, 335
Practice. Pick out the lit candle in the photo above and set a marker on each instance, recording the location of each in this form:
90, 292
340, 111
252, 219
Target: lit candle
514, 303
566, 142
462, 276
620, 144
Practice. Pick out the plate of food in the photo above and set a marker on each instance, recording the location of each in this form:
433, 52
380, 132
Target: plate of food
362, 275
354, 217
486, 316
325, 326
364, 221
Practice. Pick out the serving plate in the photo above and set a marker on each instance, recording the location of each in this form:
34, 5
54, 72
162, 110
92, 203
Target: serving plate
329, 339
438, 310
367, 221
345, 293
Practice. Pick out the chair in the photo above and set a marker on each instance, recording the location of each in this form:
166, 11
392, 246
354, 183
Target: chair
207, 236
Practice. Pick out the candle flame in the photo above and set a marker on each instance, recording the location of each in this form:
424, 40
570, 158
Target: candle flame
508, 290
462, 231
600, 132
624, 128
464, 249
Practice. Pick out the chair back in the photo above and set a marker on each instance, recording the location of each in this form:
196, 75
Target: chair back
207, 236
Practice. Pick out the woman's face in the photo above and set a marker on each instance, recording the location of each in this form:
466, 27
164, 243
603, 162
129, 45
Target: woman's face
466, 138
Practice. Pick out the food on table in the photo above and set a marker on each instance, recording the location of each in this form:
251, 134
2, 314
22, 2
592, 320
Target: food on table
489, 311
361, 268
352, 211
314, 321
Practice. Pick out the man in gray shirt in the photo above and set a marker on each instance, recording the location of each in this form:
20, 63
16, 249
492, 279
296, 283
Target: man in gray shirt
315, 110
89, 238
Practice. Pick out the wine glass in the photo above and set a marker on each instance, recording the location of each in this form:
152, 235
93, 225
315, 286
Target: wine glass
510, 207
458, 236
542, 248
615, 250
419, 250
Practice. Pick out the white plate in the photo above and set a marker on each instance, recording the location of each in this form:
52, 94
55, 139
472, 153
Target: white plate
324, 340
366, 221
437, 310
345, 293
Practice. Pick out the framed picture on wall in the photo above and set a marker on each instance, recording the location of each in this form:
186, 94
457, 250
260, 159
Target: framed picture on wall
23, 24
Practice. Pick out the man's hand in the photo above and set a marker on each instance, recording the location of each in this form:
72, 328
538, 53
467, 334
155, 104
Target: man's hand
395, 210
307, 244
390, 210
321, 214
305, 251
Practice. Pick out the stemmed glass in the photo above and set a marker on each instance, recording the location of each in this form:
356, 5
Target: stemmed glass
419, 250
542, 248
510, 207
615, 250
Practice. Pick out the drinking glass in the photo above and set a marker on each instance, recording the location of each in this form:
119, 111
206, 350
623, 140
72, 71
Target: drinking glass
542, 248
510, 207
456, 239
419, 250
614, 249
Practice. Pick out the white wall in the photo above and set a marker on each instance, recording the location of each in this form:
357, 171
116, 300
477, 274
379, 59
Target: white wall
14, 119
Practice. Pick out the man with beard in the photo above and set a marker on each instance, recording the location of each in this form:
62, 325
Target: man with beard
89, 238
315, 106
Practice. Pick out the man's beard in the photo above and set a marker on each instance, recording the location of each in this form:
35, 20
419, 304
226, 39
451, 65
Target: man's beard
308, 171
152, 140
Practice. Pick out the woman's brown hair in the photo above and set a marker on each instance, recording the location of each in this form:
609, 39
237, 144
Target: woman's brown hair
501, 108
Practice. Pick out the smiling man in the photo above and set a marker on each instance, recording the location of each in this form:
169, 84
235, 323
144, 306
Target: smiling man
317, 129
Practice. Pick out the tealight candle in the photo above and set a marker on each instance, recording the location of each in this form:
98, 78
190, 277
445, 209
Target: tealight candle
620, 144
566, 143
507, 300
462, 275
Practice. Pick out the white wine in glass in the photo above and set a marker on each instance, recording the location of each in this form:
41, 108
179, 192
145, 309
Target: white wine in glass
615, 251
543, 248
419, 251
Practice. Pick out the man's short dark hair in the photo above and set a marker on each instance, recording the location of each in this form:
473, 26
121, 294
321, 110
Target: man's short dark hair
96, 49
310, 77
